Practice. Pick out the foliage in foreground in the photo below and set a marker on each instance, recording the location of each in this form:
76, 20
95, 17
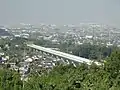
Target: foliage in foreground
84, 77
10, 80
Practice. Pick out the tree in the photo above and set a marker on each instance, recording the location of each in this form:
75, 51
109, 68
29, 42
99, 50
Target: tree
113, 63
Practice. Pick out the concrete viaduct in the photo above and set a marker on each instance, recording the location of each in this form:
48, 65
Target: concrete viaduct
69, 58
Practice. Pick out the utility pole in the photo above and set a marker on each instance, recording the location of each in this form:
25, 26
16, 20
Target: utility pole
24, 66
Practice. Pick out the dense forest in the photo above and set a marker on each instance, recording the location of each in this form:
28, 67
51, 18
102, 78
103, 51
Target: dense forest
83, 77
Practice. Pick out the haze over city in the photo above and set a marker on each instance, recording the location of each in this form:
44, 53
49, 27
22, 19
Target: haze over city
60, 11
59, 44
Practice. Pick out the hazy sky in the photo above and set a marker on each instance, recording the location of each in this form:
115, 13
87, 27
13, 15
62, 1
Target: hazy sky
60, 11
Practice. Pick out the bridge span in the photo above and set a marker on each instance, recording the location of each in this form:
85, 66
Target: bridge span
63, 55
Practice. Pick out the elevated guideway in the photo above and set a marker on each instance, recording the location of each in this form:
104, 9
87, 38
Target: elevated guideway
70, 57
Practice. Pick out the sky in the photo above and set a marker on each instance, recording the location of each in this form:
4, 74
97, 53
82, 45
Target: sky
60, 11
